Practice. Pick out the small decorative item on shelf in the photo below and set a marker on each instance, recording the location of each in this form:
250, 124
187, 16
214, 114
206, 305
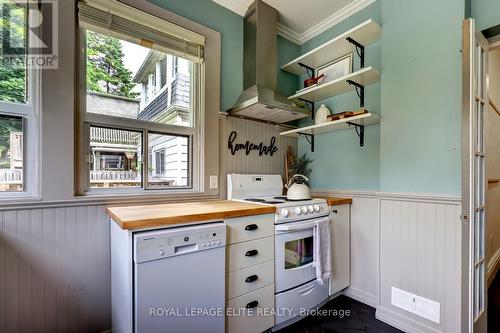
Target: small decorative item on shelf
313, 80
322, 114
347, 114
336, 69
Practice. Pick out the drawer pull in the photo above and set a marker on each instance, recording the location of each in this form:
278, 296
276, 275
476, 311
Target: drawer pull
251, 253
251, 227
251, 278
252, 305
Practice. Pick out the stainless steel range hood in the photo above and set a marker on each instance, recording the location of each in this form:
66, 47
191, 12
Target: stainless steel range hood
260, 100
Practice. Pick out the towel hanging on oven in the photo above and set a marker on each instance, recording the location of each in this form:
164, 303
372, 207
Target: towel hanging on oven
322, 250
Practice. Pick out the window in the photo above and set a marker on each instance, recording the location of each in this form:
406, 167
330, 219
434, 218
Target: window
18, 102
141, 129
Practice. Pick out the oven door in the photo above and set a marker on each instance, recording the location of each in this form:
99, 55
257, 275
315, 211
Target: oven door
294, 248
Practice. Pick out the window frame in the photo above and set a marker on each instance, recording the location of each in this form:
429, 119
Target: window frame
85, 120
29, 112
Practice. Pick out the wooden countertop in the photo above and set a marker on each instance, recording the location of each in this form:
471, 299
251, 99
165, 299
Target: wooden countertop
147, 216
335, 201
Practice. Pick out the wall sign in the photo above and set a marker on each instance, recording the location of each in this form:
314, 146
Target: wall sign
248, 146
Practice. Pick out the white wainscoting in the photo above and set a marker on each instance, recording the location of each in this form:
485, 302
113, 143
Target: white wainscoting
411, 242
55, 270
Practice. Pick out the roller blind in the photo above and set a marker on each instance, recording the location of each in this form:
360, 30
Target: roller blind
130, 24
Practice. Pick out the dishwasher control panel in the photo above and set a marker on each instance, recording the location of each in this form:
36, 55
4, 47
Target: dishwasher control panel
164, 243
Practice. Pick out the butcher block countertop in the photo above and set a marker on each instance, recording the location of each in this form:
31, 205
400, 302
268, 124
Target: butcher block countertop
148, 216
335, 201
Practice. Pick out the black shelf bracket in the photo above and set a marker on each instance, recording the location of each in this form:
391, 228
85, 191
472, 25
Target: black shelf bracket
309, 106
360, 131
360, 91
310, 139
360, 50
309, 70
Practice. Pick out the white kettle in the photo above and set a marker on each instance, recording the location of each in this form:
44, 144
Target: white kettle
298, 190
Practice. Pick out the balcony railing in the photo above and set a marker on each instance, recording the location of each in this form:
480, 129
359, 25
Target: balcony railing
109, 135
11, 179
11, 176
114, 175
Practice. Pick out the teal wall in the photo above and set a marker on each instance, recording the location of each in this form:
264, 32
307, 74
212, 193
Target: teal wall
230, 26
486, 13
339, 161
420, 148
417, 146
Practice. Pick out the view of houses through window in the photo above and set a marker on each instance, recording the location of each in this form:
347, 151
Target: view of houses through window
129, 81
13, 93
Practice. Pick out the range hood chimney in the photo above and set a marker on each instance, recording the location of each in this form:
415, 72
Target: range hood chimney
259, 99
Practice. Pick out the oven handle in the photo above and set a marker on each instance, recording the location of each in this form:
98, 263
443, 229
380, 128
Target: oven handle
298, 226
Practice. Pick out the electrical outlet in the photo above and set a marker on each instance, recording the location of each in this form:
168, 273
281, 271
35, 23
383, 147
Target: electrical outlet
214, 182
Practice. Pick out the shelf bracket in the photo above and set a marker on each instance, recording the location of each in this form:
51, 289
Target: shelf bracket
309, 70
310, 139
360, 91
360, 131
309, 106
360, 50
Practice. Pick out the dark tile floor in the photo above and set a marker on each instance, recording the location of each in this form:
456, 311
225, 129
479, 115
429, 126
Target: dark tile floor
494, 305
361, 319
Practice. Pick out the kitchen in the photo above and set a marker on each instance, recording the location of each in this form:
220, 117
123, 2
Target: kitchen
397, 174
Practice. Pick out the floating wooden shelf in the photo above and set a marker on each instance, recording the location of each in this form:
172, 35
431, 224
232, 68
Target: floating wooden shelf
365, 119
363, 34
364, 77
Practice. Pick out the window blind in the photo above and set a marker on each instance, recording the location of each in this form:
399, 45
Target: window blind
130, 24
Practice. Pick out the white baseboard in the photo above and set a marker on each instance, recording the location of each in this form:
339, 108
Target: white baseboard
402, 322
361, 296
493, 266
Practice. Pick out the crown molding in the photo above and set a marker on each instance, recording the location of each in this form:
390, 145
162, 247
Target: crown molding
333, 20
239, 8
234, 5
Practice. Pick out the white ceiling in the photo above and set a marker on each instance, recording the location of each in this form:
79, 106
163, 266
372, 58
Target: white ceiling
301, 20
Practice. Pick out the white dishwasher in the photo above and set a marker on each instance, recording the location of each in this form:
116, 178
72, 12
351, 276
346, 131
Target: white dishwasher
179, 279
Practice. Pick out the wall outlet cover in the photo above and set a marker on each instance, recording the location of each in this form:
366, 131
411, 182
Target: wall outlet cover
415, 304
214, 182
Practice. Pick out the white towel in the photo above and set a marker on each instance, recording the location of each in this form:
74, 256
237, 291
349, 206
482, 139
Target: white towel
322, 250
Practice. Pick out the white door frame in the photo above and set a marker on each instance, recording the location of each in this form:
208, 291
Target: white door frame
474, 107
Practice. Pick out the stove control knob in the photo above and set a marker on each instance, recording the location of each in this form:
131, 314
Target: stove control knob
310, 209
304, 209
161, 253
284, 212
297, 211
316, 208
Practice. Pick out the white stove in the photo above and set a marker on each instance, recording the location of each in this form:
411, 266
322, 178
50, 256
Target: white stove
296, 287
267, 190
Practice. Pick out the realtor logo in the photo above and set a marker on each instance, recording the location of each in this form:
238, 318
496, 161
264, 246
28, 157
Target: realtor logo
28, 32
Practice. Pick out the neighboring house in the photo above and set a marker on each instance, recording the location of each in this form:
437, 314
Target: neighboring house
165, 98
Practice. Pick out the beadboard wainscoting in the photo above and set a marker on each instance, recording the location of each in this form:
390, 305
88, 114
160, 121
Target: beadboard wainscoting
255, 132
55, 270
411, 242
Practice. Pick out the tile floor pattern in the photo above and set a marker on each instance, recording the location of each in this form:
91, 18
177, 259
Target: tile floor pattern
361, 319
494, 305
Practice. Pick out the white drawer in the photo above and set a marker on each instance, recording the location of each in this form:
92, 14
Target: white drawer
307, 296
250, 253
247, 228
248, 279
254, 320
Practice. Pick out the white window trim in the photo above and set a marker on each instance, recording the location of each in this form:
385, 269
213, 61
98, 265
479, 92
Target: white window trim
30, 113
195, 134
